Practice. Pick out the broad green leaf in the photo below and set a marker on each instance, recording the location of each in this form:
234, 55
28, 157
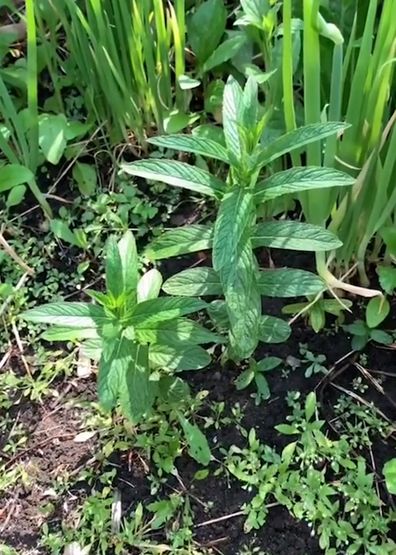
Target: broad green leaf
286, 283
250, 105
12, 175
52, 136
263, 389
149, 285
194, 282
232, 100
296, 180
294, 236
178, 357
173, 389
245, 378
231, 226
129, 262
193, 144
178, 174
86, 178
149, 312
58, 333
267, 364
175, 332
63, 232
114, 270
382, 337
183, 240
175, 121
67, 314
217, 311
225, 51
92, 348
187, 83
387, 278
310, 405
297, 139
388, 235
389, 472
287, 429
206, 28
114, 362
274, 330
16, 196
377, 310
198, 446
137, 392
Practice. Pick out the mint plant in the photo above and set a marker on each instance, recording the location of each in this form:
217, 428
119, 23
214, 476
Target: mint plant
238, 229
141, 340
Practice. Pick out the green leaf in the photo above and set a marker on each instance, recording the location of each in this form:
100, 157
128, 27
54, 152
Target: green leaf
359, 342
52, 136
178, 357
296, 180
173, 389
183, 240
129, 262
377, 310
274, 330
177, 174
194, 282
232, 101
137, 392
67, 314
217, 311
198, 445
389, 472
225, 51
357, 328
175, 121
310, 405
63, 232
387, 278
262, 387
297, 139
206, 28
114, 273
114, 362
12, 175
187, 83
286, 429
381, 337
294, 236
85, 177
149, 285
191, 143
317, 317
58, 333
232, 224
175, 332
245, 378
250, 106
388, 235
16, 196
149, 312
286, 283
267, 364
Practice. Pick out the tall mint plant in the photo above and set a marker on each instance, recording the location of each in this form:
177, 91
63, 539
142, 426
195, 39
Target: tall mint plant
141, 340
238, 229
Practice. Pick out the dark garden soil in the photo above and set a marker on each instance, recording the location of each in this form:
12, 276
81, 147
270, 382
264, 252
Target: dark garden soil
51, 451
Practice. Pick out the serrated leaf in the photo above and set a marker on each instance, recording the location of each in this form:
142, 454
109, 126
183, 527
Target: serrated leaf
177, 174
114, 361
149, 312
197, 443
192, 143
297, 139
58, 333
225, 51
137, 391
286, 283
114, 273
67, 314
377, 310
232, 100
206, 28
149, 285
175, 332
173, 389
183, 240
294, 236
273, 330
128, 255
387, 278
12, 175
178, 357
194, 282
296, 180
